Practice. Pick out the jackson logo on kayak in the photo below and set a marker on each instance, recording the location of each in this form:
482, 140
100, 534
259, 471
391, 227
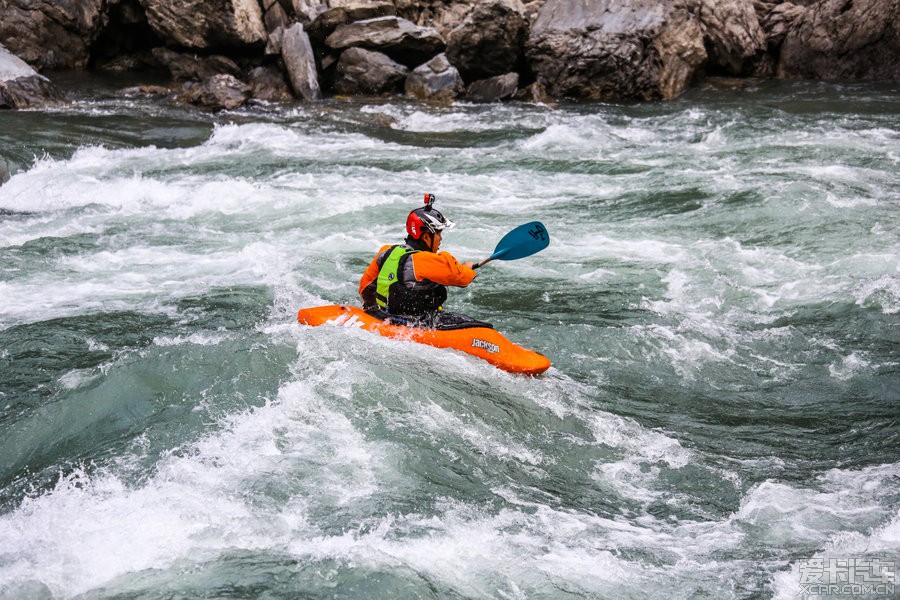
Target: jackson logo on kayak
492, 348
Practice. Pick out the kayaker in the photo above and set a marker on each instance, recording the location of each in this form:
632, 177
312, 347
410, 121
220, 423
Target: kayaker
408, 282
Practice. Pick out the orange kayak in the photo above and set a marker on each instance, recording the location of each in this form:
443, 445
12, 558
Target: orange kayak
483, 342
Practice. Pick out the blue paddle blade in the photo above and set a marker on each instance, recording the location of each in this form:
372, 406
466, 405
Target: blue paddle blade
522, 241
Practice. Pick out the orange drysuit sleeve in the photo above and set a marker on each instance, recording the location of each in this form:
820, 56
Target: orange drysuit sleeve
441, 268
438, 267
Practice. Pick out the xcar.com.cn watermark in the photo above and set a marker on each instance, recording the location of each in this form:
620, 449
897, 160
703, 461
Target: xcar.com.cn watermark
847, 576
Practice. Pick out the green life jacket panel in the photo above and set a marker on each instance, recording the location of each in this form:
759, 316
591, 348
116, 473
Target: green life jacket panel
389, 274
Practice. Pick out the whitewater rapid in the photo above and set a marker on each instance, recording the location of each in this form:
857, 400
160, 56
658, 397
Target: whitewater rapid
719, 301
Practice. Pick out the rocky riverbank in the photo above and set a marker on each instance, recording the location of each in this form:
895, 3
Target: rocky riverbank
226, 53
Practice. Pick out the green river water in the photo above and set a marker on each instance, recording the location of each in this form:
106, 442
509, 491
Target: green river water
720, 302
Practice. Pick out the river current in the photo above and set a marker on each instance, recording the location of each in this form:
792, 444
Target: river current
720, 302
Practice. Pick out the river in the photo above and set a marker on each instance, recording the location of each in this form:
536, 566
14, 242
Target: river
720, 302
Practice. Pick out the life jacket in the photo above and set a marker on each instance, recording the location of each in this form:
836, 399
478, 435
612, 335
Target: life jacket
398, 292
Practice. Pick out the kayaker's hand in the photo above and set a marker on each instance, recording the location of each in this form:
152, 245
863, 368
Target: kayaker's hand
469, 264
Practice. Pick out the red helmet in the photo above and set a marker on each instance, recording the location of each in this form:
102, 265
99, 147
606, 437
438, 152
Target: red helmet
425, 219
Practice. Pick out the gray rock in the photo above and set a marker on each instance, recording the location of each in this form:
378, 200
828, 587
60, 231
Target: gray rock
341, 12
276, 20
21, 86
776, 21
535, 92
206, 23
51, 35
402, 40
532, 8
306, 11
13, 67
218, 92
124, 63
268, 84
734, 37
299, 60
190, 67
136, 91
844, 40
273, 44
274, 15
490, 40
361, 71
435, 80
492, 89
29, 92
618, 49
442, 17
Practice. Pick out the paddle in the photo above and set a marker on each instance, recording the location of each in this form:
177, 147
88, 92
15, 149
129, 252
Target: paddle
522, 241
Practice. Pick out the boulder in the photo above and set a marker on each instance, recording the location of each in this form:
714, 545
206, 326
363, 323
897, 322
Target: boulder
442, 17
300, 63
276, 19
21, 86
536, 92
532, 8
151, 91
268, 84
776, 21
844, 40
129, 62
492, 89
51, 35
490, 40
361, 71
204, 24
435, 80
306, 11
735, 40
217, 92
615, 49
273, 43
402, 40
342, 12
274, 15
190, 67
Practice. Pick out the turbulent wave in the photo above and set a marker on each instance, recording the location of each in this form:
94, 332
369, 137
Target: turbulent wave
719, 302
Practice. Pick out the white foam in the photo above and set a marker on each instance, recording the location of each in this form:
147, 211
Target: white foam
597, 275
199, 338
883, 292
598, 245
79, 377
849, 366
848, 518
572, 141
201, 501
487, 440
845, 501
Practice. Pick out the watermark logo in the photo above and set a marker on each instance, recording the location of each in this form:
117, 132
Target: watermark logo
847, 576
538, 232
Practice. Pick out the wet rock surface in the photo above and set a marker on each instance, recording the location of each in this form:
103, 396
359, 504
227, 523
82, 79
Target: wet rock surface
303, 50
